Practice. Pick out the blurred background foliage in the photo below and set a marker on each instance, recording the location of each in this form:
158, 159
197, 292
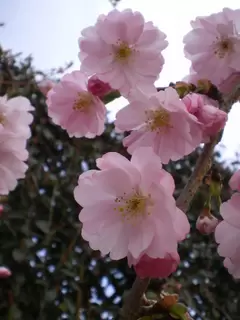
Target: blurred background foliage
55, 275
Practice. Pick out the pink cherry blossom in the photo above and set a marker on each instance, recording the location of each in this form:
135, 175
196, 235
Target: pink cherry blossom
45, 86
15, 120
15, 116
228, 84
211, 117
233, 266
213, 46
206, 224
128, 207
235, 181
13, 153
98, 87
123, 50
4, 273
155, 268
227, 234
74, 108
160, 121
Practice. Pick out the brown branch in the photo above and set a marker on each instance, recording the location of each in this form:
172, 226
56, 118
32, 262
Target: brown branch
133, 302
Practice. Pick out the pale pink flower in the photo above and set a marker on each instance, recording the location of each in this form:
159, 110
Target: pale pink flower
4, 273
227, 233
147, 267
45, 86
233, 266
228, 84
15, 116
98, 87
123, 50
206, 224
191, 77
74, 108
211, 117
235, 181
13, 153
213, 46
15, 121
128, 207
160, 121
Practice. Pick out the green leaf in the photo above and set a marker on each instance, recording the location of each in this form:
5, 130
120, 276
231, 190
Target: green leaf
70, 306
178, 310
50, 295
43, 226
111, 96
63, 307
18, 255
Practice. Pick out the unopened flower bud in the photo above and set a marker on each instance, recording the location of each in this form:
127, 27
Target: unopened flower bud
45, 85
1, 209
206, 222
98, 87
5, 273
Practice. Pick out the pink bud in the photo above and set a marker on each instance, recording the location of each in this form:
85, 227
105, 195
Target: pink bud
98, 87
194, 103
235, 181
4, 273
1, 209
155, 268
210, 116
206, 224
45, 86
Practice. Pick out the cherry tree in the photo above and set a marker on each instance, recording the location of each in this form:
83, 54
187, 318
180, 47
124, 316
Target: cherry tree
127, 206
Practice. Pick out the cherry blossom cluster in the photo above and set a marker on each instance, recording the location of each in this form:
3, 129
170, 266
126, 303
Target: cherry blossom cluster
15, 119
227, 232
128, 208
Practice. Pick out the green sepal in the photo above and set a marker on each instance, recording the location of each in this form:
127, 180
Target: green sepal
111, 96
178, 311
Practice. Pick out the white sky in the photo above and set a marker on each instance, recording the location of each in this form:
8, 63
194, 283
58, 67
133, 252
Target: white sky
49, 30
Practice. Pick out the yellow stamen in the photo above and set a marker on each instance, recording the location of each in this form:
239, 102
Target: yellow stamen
223, 47
83, 101
123, 52
133, 207
158, 119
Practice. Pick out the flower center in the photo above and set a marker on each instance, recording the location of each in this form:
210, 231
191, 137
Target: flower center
83, 101
223, 47
123, 52
133, 207
158, 119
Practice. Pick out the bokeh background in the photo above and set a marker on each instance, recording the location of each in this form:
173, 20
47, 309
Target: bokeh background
55, 274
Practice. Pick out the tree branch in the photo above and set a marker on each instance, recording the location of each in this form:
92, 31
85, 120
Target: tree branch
133, 302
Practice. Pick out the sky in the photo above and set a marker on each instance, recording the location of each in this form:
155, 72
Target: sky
49, 31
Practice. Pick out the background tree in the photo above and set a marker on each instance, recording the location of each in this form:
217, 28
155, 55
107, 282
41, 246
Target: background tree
55, 275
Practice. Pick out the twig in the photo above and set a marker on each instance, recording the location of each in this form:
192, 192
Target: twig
132, 304
133, 301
